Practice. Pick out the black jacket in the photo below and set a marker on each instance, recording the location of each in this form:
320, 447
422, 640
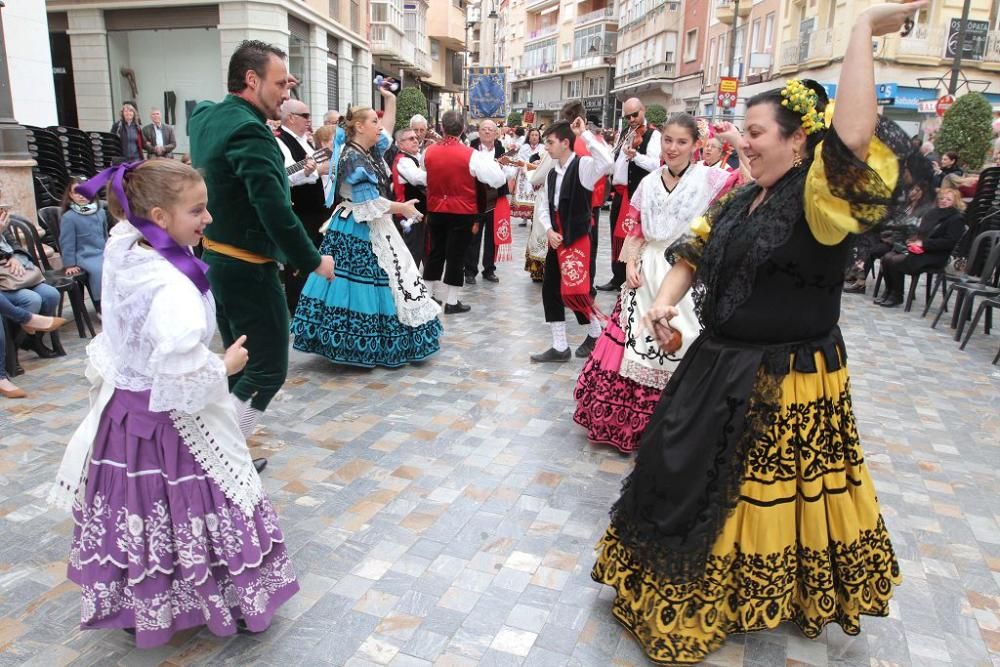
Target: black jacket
939, 230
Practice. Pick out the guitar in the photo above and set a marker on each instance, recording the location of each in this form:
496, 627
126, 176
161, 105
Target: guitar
486, 197
318, 156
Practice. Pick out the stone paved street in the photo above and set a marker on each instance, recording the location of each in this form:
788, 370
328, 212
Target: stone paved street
445, 513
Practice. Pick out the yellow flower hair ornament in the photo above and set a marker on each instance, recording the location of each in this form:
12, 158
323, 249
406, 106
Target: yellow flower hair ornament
801, 99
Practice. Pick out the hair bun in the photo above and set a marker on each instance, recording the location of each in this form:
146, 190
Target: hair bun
822, 98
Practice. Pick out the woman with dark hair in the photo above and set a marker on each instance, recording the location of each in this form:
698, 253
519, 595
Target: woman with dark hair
128, 127
622, 380
948, 166
750, 503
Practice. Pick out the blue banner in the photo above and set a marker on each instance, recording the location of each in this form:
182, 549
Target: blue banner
486, 91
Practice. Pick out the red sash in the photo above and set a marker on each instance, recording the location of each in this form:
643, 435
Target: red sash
574, 275
501, 231
398, 188
623, 224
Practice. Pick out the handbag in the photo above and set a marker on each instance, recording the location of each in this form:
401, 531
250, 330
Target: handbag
31, 277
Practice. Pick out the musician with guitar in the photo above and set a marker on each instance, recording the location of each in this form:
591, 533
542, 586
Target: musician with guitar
636, 155
308, 199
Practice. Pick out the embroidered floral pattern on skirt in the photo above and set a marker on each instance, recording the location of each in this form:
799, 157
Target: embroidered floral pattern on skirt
158, 547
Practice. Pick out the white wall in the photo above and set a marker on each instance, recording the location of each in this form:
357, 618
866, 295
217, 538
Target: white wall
180, 60
29, 62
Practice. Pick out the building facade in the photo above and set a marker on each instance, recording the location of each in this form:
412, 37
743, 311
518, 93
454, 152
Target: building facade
559, 50
173, 56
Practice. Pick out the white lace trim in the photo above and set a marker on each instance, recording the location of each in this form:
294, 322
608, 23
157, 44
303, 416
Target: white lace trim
414, 305
667, 216
649, 377
366, 211
189, 392
236, 479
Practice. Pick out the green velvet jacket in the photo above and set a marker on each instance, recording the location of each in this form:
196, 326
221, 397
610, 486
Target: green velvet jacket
248, 193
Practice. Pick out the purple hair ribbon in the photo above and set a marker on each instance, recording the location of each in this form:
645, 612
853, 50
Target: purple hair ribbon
179, 256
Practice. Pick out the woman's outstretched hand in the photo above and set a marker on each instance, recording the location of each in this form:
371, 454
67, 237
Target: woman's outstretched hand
888, 18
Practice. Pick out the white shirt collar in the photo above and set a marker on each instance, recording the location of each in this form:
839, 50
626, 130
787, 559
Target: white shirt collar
562, 168
289, 131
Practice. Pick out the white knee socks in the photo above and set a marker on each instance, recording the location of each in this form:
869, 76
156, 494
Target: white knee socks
594, 329
559, 336
452, 295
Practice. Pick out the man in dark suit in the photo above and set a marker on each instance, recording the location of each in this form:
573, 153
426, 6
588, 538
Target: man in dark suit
158, 137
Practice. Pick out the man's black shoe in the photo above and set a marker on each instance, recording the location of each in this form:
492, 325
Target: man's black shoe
470, 280
260, 464
492, 277
890, 302
453, 308
610, 286
586, 347
551, 354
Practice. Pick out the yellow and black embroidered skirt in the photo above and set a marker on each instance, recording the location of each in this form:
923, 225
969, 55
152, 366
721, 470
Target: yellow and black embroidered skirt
799, 537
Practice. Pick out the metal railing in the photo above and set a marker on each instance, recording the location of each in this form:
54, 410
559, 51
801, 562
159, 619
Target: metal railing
386, 39
659, 69
790, 52
541, 33
992, 47
606, 14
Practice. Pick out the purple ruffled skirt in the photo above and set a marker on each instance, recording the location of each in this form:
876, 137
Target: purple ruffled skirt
158, 547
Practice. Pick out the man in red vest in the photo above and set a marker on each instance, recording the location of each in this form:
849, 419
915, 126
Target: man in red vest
452, 171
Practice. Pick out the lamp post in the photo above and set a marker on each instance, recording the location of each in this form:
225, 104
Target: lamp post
13, 141
732, 50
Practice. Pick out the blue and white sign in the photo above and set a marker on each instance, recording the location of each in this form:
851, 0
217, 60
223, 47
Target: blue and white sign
885, 93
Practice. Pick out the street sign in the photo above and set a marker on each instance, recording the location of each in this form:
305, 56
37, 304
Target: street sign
728, 91
885, 93
943, 104
974, 46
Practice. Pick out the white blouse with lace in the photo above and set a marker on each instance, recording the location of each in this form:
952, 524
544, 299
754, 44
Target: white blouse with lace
156, 337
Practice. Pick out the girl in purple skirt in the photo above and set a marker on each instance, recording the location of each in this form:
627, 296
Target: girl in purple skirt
173, 529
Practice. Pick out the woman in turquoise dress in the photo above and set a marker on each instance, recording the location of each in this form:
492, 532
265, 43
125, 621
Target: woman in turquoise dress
377, 310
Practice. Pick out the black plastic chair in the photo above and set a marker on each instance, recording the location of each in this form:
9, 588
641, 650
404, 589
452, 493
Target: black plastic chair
981, 246
49, 218
967, 291
24, 233
914, 280
10, 362
987, 306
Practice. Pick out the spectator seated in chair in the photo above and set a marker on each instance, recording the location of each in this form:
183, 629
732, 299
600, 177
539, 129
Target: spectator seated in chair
21, 282
83, 233
30, 324
939, 231
919, 199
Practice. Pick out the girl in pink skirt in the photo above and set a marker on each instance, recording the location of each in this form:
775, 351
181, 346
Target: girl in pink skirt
173, 529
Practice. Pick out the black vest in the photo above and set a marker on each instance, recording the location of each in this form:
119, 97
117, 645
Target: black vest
635, 172
575, 213
497, 152
307, 198
411, 191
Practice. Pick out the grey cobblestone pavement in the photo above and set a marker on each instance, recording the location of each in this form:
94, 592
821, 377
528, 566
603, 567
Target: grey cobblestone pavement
445, 513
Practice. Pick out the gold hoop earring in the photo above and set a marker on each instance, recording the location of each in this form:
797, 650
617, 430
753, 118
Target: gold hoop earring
797, 160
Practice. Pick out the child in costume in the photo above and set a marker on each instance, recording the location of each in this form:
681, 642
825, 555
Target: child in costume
173, 529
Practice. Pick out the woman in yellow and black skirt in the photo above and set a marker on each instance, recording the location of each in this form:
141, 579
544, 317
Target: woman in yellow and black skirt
750, 502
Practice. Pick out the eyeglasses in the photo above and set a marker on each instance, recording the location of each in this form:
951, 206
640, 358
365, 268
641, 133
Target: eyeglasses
630, 116
300, 115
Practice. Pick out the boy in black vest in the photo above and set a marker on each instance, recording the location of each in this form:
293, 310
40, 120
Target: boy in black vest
566, 214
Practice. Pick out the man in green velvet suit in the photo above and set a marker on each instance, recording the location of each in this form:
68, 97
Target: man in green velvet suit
254, 229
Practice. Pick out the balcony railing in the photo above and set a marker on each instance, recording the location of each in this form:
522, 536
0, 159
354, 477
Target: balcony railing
790, 53
819, 45
606, 14
923, 41
629, 77
992, 47
541, 33
386, 40
534, 5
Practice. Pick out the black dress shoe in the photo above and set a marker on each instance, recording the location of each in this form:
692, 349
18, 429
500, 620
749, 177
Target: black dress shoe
551, 354
35, 344
453, 308
890, 302
492, 277
260, 464
854, 288
610, 286
586, 347
470, 280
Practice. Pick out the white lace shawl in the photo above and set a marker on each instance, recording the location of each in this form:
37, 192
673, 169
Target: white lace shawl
157, 329
666, 216
414, 305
